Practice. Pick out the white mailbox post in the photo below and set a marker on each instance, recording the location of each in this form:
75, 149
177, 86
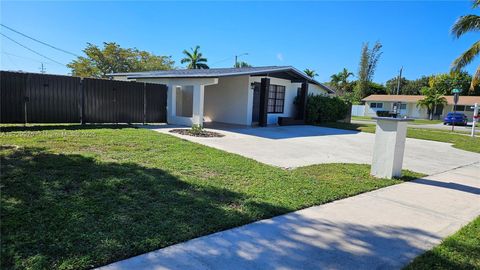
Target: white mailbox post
389, 146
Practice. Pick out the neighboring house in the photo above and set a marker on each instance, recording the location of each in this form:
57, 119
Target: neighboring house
242, 96
409, 108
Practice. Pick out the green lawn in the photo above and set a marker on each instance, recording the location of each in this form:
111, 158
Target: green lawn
79, 197
425, 122
459, 251
459, 140
362, 118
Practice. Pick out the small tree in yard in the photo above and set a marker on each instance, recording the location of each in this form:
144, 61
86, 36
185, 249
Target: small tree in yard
432, 98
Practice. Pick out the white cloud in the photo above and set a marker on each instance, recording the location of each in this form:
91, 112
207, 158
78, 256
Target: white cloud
280, 56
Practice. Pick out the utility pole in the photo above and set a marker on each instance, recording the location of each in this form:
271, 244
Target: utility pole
236, 58
399, 80
42, 69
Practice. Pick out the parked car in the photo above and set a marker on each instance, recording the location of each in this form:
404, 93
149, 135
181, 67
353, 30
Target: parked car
455, 118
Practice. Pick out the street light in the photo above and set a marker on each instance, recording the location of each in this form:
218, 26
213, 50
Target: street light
236, 58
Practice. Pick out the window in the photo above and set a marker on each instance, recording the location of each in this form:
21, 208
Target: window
403, 106
460, 108
377, 105
469, 108
184, 101
276, 99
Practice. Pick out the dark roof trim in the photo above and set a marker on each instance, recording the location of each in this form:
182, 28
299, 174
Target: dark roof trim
216, 73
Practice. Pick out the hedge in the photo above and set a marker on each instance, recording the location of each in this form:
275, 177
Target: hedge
326, 109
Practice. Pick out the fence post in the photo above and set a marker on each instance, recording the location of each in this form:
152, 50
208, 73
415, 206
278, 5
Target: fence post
144, 103
82, 102
26, 99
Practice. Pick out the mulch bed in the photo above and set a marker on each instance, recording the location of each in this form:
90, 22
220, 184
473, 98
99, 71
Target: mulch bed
203, 133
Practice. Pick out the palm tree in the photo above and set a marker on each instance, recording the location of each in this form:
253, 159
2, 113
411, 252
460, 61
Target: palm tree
340, 80
194, 59
310, 73
344, 75
465, 24
431, 100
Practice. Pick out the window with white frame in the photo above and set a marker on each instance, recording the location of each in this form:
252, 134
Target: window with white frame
376, 105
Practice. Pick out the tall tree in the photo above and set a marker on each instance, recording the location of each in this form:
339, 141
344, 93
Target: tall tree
241, 64
407, 87
195, 59
445, 83
414, 87
466, 24
98, 62
392, 84
376, 88
368, 63
432, 98
310, 73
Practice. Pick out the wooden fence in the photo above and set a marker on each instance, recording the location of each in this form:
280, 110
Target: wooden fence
42, 98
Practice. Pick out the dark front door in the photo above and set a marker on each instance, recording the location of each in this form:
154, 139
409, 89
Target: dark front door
256, 103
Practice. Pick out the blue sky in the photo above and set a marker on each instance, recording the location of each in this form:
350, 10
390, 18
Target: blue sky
324, 36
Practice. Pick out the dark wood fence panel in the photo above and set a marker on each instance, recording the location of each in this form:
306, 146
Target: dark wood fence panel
12, 95
66, 99
53, 99
156, 103
108, 101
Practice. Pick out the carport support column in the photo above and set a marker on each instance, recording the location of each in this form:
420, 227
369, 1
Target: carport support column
198, 100
389, 147
264, 87
302, 105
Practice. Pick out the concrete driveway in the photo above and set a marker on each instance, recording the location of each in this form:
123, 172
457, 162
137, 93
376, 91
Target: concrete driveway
294, 146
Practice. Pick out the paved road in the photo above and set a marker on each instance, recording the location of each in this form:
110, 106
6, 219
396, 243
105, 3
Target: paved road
440, 126
294, 146
383, 229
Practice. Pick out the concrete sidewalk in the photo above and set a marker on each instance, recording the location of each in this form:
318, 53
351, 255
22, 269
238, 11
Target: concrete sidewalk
383, 229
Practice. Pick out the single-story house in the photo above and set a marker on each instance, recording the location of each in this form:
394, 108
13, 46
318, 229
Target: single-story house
409, 108
242, 96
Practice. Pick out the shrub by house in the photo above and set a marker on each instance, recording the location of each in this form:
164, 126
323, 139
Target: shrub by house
326, 109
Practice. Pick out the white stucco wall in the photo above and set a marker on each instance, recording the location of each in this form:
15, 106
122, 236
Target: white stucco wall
316, 90
228, 101
369, 111
411, 111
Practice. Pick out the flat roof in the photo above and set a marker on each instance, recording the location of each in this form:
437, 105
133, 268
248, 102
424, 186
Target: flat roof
463, 100
284, 72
